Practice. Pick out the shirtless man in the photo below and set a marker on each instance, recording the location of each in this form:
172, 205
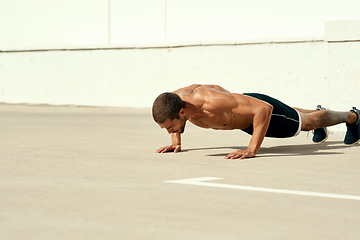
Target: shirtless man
211, 106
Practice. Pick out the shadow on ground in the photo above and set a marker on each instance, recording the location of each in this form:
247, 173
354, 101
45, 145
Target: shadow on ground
328, 148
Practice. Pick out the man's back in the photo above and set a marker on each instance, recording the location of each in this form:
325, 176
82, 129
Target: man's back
215, 107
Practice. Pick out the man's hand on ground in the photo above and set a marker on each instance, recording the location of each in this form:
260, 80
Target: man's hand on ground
241, 154
170, 148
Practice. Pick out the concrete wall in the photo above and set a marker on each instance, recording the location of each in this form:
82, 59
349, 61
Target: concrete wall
302, 74
343, 63
134, 77
43, 24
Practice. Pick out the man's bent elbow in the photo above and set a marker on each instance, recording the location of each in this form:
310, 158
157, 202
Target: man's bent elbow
268, 109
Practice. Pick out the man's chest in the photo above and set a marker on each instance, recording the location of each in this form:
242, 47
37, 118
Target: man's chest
210, 120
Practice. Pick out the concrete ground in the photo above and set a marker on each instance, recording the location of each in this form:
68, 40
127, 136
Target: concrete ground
92, 173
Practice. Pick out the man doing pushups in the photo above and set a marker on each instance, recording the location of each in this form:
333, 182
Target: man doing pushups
211, 106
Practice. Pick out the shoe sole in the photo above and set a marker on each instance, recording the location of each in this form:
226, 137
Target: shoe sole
326, 139
358, 141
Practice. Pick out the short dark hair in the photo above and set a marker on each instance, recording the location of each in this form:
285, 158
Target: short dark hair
167, 105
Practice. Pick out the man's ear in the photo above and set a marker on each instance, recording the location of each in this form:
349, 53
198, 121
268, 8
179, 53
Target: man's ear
182, 112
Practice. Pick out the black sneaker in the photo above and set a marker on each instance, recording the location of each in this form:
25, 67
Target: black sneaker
320, 134
353, 130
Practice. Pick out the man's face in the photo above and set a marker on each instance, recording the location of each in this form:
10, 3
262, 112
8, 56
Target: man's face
174, 126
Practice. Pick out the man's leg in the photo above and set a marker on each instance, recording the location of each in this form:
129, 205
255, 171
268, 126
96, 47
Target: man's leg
304, 110
325, 118
320, 135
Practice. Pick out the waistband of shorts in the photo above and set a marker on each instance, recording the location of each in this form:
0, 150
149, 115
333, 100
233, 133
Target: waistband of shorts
299, 128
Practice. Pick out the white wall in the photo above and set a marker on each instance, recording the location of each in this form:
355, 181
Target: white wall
135, 77
302, 74
52, 24
45, 24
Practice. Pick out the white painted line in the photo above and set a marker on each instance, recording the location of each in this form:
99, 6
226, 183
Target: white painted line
200, 182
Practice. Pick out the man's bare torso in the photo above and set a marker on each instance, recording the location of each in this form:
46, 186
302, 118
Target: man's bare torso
212, 107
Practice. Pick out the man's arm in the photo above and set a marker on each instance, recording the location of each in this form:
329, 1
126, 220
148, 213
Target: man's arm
175, 144
261, 122
258, 111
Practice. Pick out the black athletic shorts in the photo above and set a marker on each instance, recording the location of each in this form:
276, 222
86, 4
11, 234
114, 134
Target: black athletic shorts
285, 121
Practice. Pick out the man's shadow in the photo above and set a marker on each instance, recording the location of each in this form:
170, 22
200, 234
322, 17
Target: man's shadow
327, 148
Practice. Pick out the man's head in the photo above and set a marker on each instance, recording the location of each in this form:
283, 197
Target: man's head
168, 112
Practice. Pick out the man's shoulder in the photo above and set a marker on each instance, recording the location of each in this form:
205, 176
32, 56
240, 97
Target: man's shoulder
202, 93
187, 91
